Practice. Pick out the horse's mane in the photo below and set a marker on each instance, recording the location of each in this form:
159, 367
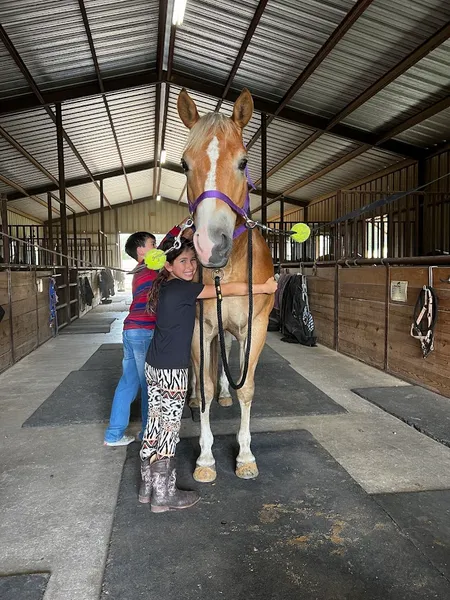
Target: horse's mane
209, 125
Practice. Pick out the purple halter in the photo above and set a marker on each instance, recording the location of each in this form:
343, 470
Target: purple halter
237, 209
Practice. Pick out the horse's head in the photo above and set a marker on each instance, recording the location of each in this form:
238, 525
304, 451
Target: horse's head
215, 163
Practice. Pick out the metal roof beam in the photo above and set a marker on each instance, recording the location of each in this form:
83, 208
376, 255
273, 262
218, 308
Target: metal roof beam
240, 55
162, 18
350, 18
87, 29
300, 118
15, 144
77, 92
386, 134
136, 168
24, 193
171, 52
430, 44
26, 73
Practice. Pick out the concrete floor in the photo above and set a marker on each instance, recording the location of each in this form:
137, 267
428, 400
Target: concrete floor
58, 486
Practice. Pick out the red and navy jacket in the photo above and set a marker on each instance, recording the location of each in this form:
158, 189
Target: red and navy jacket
138, 317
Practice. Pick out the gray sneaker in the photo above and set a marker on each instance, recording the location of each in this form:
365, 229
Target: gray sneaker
124, 441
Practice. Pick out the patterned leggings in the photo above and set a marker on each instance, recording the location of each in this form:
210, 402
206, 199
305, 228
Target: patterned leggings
167, 389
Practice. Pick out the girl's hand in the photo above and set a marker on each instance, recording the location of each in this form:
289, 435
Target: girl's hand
271, 285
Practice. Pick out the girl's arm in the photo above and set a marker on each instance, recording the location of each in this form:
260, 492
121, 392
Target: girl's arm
239, 289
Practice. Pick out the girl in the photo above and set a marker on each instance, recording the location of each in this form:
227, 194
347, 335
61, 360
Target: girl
166, 371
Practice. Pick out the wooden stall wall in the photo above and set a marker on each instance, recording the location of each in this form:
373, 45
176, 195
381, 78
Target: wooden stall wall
375, 329
25, 298
361, 314
321, 290
404, 356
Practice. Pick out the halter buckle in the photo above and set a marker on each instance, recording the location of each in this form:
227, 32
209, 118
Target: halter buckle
217, 273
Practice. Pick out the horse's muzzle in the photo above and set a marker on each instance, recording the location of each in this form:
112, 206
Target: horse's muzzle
220, 251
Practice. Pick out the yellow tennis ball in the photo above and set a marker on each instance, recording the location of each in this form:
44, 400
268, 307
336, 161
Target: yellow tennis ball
301, 232
155, 259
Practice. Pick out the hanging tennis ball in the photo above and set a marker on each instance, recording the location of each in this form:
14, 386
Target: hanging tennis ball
300, 232
155, 259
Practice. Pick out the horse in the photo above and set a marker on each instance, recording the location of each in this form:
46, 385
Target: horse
215, 163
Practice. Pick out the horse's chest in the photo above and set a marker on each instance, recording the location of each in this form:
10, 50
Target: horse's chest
234, 313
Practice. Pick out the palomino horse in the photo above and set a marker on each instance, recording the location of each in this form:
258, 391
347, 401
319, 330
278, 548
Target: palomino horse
215, 161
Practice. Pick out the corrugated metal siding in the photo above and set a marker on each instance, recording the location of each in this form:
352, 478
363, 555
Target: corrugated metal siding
125, 34
133, 114
157, 217
318, 155
422, 85
30, 207
52, 42
429, 132
211, 36
370, 162
12, 82
286, 39
15, 219
282, 138
386, 32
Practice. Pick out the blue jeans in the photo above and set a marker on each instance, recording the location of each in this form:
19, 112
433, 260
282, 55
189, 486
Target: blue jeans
135, 345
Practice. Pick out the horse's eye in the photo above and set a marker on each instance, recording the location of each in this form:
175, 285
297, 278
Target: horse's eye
243, 164
184, 165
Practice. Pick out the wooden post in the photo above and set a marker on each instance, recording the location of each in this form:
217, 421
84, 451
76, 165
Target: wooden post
283, 239
102, 226
50, 228
4, 213
420, 211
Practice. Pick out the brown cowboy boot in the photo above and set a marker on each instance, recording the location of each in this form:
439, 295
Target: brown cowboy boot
165, 494
145, 489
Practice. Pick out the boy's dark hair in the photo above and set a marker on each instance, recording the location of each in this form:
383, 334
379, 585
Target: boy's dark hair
137, 240
164, 274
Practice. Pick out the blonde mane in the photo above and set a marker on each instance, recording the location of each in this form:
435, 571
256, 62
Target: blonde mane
209, 125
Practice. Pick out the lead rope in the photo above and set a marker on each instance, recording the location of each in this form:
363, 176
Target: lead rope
237, 386
424, 322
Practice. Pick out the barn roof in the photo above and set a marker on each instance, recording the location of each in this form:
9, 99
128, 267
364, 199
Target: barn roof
348, 88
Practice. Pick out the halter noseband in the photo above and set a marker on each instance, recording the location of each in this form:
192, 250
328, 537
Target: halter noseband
242, 212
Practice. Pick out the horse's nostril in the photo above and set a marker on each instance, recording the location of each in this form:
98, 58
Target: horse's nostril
223, 243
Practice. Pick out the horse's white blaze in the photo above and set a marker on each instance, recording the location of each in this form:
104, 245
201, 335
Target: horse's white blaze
206, 208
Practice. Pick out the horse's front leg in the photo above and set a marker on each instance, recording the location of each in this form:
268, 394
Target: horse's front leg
246, 467
205, 470
225, 398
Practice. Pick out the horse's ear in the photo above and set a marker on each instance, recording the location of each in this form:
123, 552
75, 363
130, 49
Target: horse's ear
187, 109
243, 109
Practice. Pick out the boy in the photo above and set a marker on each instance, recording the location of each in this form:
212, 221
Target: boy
138, 329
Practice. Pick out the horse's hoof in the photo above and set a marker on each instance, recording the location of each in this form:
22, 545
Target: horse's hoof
226, 401
194, 403
205, 474
247, 470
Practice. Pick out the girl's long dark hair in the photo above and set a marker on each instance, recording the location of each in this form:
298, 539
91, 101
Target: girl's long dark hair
163, 275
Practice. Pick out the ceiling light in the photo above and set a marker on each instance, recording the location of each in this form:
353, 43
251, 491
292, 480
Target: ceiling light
163, 156
178, 12
158, 198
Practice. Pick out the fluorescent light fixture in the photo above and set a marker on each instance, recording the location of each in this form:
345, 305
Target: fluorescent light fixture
163, 156
178, 12
158, 198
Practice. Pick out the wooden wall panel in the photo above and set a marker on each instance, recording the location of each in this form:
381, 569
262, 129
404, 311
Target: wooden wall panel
321, 300
5, 326
362, 293
404, 353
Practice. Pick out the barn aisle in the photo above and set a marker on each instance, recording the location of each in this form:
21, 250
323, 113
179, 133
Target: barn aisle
342, 489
